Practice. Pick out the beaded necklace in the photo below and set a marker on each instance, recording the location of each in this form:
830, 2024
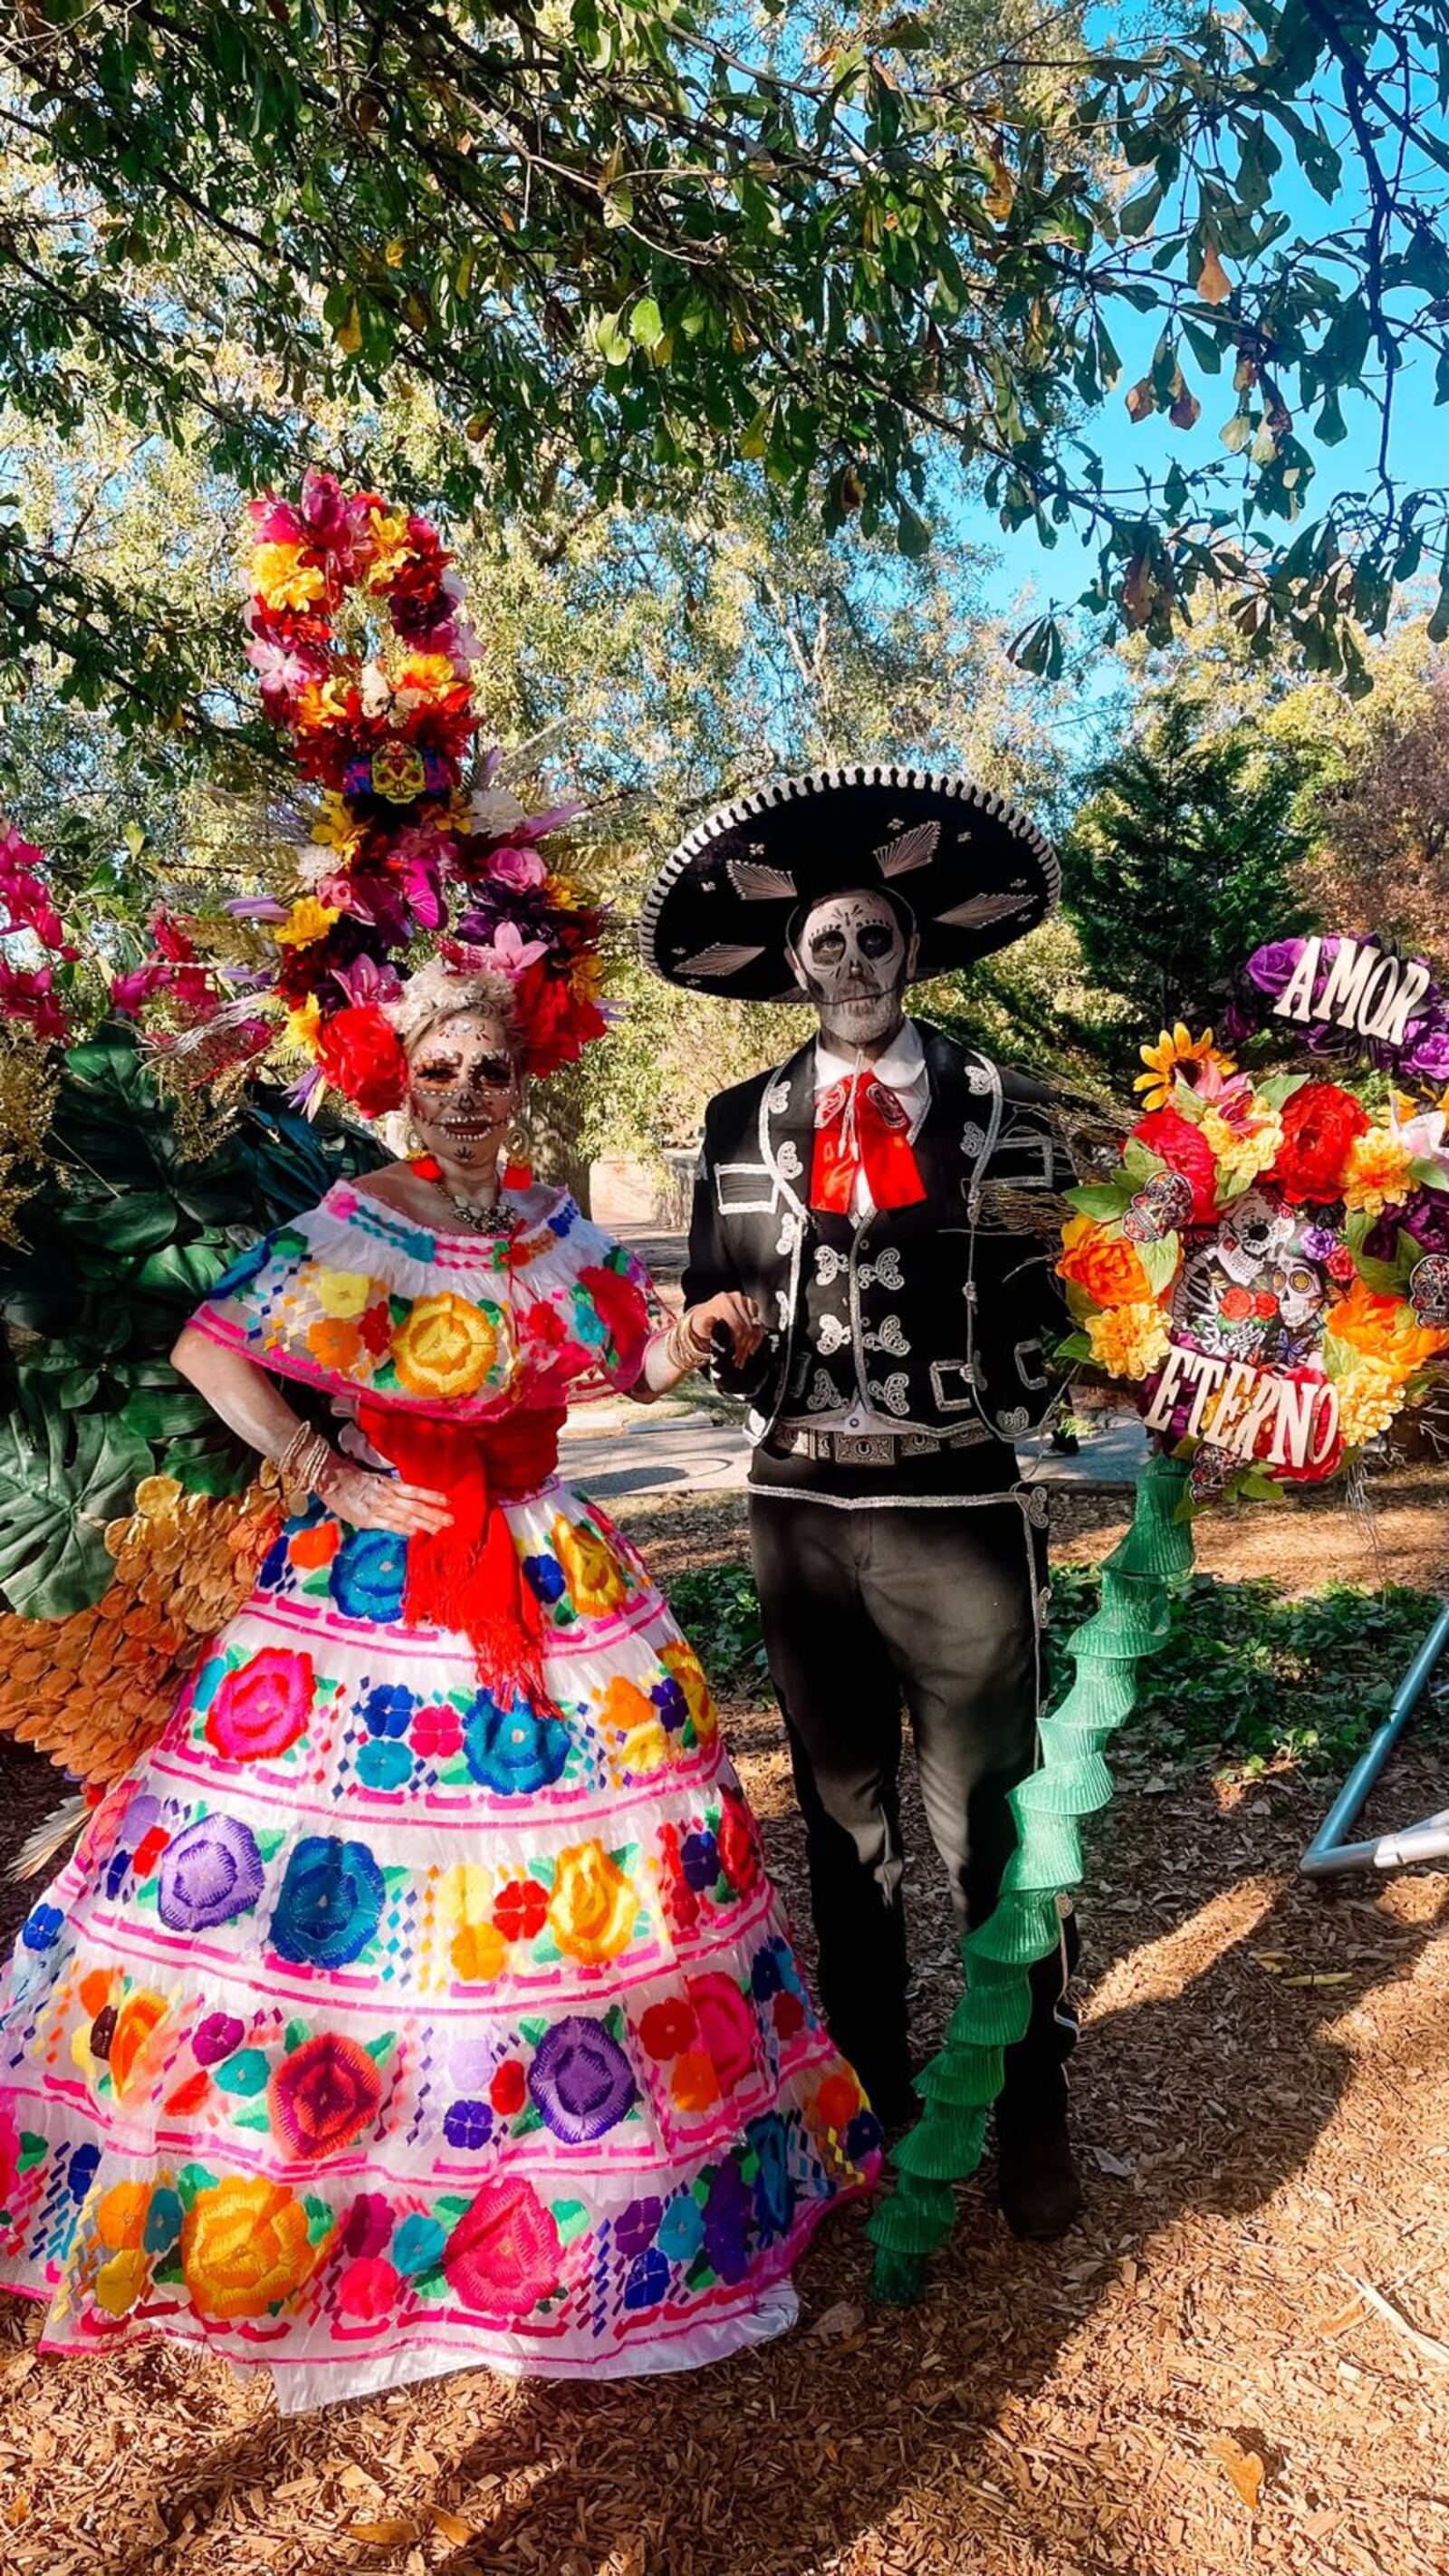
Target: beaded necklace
493, 1219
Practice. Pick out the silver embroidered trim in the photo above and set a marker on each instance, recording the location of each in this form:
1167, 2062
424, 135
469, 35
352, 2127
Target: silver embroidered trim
977, 1078
832, 1336
789, 1161
890, 1338
1013, 1420
973, 1138
892, 1393
885, 1273
828, 1264
788, 1232
778, 1100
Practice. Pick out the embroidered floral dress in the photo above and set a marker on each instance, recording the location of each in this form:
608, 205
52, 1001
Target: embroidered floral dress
386, 2022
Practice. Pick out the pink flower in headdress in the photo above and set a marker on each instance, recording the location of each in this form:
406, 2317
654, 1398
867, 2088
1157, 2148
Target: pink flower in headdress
130, 991
276, 522
281, 668
421, 855
519, 870
365, 981
506, 953
29, 995
325, 514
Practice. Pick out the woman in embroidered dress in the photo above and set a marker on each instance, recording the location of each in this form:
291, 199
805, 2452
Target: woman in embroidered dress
421, 1999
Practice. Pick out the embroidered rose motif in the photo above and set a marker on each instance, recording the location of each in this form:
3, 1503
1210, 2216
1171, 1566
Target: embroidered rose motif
680, 1659
325, 2094
330, 1902
504, 2255
596, 1580
262, 1706
369, 1574
245, 2247
592, 1909
726, 2026
581, 2080
444, 1346
516, 1750
211, 1871
622, 1311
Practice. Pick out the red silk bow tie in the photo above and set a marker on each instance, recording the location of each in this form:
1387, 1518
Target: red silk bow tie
861, 1126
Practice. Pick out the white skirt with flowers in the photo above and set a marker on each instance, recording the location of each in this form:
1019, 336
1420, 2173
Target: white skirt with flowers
378, 2027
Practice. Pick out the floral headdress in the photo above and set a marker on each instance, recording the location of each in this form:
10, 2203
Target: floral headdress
401, 850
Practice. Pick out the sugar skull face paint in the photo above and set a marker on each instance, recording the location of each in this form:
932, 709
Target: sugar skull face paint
463, 1086
853, 959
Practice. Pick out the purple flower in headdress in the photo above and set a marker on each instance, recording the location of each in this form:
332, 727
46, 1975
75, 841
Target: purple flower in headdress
255, 907
365, 981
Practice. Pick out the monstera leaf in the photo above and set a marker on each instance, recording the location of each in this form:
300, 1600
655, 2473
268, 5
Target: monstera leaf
62, 1477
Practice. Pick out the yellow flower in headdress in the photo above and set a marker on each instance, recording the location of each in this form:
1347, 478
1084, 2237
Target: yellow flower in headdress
424, 675
1175, 1048
281, 579
303, 1025
334, 827
390, 548
308, 920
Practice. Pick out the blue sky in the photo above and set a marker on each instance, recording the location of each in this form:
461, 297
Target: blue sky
1031, 576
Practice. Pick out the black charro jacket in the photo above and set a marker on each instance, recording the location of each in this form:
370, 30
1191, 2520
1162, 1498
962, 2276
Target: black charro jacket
940, 1313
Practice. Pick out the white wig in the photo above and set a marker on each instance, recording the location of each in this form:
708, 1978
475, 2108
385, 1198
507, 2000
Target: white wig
439, 991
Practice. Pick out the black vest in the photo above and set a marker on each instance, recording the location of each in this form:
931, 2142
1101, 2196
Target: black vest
936, 1316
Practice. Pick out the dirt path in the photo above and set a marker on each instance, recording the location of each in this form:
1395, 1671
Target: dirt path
1262, 2096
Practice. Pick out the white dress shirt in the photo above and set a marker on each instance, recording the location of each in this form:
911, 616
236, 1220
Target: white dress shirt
902, 1070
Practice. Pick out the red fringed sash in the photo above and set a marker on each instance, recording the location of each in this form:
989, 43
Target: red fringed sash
468, 1575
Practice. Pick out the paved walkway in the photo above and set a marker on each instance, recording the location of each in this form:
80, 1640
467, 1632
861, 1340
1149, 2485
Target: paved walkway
628, 1450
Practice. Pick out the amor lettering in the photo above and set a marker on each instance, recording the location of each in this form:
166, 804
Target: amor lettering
1367, 991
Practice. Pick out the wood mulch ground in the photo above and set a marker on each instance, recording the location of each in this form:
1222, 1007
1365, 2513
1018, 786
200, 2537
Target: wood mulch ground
1200, 2378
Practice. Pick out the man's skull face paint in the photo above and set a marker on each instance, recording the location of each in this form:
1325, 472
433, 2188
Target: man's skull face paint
462, 1086
853, 962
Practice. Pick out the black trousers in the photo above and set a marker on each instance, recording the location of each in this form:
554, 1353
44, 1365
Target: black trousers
936, 1606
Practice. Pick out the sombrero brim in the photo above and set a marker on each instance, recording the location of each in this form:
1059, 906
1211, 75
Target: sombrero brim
975, 872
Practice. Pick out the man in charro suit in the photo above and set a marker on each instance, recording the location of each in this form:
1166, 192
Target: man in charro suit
872, 1197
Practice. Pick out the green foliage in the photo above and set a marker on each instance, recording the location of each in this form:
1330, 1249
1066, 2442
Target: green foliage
632, 249
1182, 860
717, 1607
1260, 1675
1248, 1671
135, 1220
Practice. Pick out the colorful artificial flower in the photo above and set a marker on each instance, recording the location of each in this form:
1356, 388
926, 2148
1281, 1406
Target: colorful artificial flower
1185, 1150
1320, 1123
1377, 1172
1242, 1153
1128, 1341
1175, 1050
1370, 1394
362, 1055
1102, 1264
307, 920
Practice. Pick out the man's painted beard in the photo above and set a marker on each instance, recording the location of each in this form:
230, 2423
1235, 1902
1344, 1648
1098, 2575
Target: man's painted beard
853, 965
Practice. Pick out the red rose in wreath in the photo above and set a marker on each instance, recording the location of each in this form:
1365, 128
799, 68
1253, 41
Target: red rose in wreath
1184, 1149
1320, 1123
361, 1055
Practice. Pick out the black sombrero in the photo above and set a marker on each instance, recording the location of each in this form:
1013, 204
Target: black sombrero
975, 872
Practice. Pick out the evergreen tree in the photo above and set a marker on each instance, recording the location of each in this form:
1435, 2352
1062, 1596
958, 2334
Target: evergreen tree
1183, 858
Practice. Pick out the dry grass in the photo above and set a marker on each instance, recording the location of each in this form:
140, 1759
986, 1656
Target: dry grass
1261, 2098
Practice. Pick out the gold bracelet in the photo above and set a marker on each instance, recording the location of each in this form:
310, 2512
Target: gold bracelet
293, 1450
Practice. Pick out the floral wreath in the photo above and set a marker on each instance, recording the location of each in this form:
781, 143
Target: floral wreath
401, 850
1267, 1264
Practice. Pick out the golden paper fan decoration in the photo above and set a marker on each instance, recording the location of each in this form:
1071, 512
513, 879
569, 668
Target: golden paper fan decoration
94, 1691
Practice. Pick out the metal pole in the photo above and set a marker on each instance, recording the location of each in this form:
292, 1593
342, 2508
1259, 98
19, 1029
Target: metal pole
1328, 1854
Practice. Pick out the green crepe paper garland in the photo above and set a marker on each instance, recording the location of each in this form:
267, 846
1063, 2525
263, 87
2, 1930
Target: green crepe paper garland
960, 2085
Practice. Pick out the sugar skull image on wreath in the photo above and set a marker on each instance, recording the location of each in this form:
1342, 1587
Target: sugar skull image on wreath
1268, 1265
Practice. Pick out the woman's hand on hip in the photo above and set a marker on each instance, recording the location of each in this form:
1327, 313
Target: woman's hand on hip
372, 1501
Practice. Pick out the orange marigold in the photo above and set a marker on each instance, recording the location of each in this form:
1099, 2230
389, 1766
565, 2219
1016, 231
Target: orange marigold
1106, 1267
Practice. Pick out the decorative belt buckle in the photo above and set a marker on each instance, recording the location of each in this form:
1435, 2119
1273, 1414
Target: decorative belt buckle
864, 1449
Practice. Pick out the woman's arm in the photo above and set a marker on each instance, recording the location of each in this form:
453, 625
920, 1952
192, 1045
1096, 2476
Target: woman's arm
252, 1406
